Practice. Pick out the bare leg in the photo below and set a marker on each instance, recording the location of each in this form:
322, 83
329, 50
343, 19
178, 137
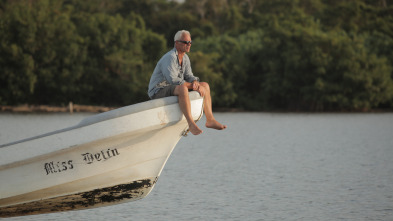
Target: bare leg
207, 108
185, 106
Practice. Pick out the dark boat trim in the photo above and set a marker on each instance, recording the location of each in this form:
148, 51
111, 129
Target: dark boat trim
84, 200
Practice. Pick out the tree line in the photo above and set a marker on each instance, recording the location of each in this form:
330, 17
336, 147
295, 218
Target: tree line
294, 55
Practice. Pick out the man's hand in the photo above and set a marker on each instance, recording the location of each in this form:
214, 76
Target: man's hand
195, 85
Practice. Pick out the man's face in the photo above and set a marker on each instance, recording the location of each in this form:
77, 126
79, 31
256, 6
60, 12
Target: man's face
182, 45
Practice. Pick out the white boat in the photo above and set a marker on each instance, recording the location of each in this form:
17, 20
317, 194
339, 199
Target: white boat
108, 158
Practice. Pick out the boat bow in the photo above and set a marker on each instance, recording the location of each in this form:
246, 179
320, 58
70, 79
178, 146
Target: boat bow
112, 157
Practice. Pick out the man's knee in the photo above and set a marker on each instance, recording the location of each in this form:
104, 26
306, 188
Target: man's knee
205, 85
181, 90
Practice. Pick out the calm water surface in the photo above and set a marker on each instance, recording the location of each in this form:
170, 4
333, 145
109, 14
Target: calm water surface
263, 167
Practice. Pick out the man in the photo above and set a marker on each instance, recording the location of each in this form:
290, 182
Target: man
173, 77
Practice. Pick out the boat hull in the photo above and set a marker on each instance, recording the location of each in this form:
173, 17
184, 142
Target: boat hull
83, 200
111, 158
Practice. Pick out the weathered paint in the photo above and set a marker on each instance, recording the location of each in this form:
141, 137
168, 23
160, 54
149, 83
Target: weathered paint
85, 200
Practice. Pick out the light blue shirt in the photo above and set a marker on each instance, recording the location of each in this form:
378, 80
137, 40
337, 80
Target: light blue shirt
168, 71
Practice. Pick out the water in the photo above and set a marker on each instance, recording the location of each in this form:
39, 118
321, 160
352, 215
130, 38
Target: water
263, 167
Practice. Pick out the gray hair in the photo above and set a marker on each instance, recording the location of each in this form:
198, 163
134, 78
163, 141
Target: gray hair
179, 34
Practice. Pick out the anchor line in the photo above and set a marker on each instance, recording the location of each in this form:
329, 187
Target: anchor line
185, 132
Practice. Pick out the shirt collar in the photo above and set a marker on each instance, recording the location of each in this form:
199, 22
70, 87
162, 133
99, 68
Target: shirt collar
177, 53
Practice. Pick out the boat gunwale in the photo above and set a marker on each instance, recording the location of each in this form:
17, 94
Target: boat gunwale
113, 114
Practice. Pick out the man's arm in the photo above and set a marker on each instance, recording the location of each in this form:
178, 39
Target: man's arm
188, 75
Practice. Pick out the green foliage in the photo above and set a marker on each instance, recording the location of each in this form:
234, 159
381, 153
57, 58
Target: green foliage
208, 69
322, 71
301, 55
52, 55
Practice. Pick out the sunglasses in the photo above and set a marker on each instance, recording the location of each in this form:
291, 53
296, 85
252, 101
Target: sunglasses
186, 42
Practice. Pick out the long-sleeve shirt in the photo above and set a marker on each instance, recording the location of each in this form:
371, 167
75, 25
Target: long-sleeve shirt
168, 71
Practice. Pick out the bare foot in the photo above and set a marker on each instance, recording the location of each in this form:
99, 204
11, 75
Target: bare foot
215, 125
194, 129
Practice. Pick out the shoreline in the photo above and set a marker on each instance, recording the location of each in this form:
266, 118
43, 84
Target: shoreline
77, 108
71, 108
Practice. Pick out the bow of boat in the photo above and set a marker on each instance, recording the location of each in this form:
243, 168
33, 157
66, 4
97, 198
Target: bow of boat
106, 159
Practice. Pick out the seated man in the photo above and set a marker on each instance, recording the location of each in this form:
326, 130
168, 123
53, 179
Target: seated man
173, 77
